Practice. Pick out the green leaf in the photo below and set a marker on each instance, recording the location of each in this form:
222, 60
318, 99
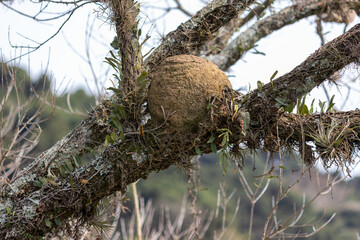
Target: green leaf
224, 141
69, 165
213, 147
273, 76
302, 108
38, 183
115, 43
142, 76
290, 107
283, 167
57, 221
48, 222
43, 180
260, 85
108, 140
76, 161
113, 137
120, 112
305, 110
337, 143
198, 151
212, 138
114, 58
262, 15
62, 171
115, 90
113, 63
312, 106
116, 122
8, 209
71, 182
331, 104
256, 185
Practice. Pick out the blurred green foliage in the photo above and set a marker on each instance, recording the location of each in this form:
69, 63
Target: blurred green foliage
56, 118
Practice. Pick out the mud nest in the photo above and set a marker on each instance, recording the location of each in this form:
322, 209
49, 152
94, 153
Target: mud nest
180, 90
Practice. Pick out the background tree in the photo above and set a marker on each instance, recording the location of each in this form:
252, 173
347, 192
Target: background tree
117, 143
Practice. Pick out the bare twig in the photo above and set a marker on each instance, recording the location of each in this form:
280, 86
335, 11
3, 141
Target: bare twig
247, 39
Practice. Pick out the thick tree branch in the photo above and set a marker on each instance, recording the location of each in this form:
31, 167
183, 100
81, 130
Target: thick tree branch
125, 18
55, 188
246, 40
192, 34
334, 137
217, 44
319, 66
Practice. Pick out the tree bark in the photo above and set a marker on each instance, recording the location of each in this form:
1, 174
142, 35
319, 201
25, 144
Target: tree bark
262, 28
55, 188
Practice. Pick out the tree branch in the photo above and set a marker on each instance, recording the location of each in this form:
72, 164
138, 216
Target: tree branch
125, 19
192, 34
217, 44
246, 40
56, 188
319, 66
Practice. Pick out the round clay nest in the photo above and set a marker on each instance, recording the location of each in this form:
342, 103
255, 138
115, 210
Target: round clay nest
181, 86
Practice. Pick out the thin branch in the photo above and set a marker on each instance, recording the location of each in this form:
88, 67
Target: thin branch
224, 34
125, 19
318, 67
246, 40
192, 34
182, 9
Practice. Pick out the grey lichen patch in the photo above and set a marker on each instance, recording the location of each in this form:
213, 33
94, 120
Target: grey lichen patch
310, 83
101, 166
29, 211
2, 219
34, 197
5, 207
20, 182
139, 157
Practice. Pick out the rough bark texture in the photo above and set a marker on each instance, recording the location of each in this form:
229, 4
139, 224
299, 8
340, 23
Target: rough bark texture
192, 34
217, 44
125, 19
247, 39
319, 66
54, 188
